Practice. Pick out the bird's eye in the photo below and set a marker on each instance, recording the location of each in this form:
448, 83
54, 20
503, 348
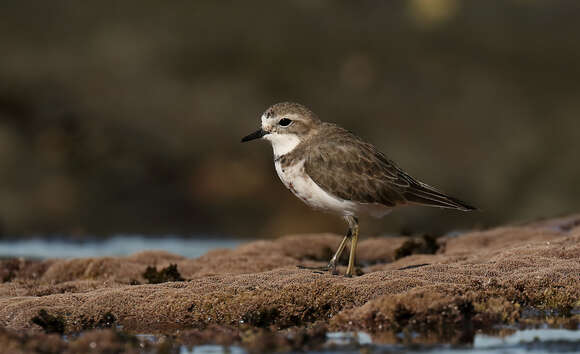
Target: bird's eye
284, 122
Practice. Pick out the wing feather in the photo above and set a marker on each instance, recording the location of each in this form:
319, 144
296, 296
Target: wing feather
351, 169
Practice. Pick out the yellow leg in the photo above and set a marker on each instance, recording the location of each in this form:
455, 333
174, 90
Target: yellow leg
332, 264
352, 230
334, 259
353, 225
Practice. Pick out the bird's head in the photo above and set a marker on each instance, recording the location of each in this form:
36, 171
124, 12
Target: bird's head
286, 125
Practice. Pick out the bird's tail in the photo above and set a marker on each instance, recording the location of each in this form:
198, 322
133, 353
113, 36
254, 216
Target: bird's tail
423, 194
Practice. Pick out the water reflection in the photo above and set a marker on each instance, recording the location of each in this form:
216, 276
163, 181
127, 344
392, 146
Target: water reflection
520, 341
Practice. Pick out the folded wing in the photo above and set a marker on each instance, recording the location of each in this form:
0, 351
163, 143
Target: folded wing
351, 169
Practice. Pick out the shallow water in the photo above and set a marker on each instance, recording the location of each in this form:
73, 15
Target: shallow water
521, 341
115, 246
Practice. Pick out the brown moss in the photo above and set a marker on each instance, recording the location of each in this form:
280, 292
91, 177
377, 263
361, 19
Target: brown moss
477, 280
427, 244
451, 319
169, 273
20, 268
290, 340
8, 269
110, 341
108, 320
214, 334
95, 341
18, 342
49, 323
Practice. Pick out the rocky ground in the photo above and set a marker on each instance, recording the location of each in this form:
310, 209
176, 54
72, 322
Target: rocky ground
434, 290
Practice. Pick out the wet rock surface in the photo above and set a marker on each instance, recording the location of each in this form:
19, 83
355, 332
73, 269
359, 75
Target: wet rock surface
255, 296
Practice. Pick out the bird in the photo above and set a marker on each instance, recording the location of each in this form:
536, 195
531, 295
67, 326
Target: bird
333, 170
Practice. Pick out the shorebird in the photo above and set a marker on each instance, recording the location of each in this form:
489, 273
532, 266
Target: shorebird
331, 169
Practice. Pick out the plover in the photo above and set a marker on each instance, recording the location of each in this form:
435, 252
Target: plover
331, 169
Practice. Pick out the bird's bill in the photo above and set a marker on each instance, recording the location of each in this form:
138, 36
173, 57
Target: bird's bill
255, 135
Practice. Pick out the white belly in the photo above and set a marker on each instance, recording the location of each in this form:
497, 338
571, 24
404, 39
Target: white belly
295, 178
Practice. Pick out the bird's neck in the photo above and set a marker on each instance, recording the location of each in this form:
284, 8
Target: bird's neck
283, 144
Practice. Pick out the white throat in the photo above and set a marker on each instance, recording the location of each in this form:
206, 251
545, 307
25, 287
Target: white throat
282, 143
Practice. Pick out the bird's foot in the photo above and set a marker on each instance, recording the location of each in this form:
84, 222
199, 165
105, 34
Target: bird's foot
321, 269
329, 267
356, 272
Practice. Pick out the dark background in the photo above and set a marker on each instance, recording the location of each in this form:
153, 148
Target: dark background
126, 116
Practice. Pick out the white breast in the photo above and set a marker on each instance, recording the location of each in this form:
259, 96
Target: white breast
295, 178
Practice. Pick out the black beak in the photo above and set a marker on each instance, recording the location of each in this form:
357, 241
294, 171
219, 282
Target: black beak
255, 135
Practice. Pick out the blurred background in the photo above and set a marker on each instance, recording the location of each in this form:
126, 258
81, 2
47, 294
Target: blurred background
126, 117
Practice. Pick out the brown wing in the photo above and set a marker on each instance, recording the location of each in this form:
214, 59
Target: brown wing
351, 169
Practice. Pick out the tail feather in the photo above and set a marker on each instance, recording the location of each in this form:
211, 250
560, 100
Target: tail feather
423, 194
